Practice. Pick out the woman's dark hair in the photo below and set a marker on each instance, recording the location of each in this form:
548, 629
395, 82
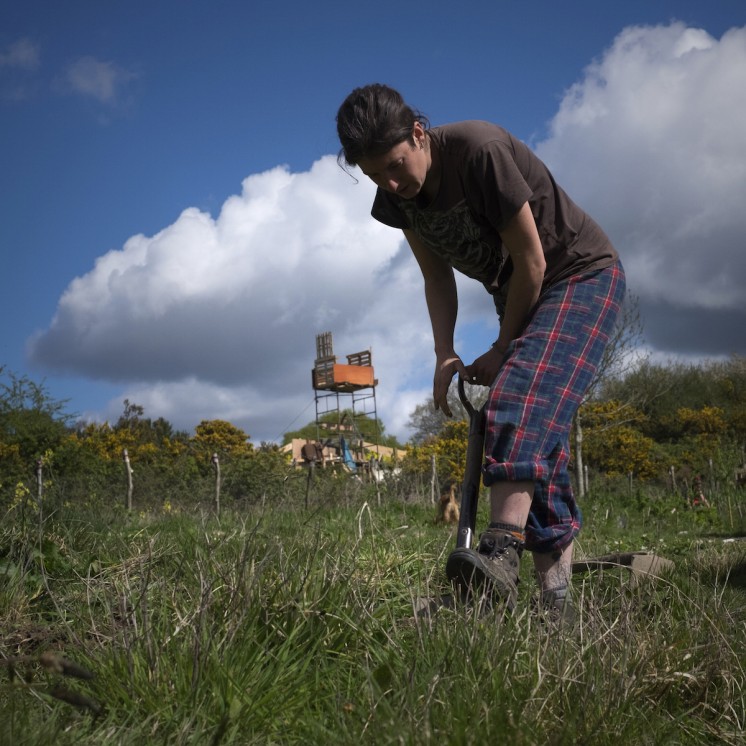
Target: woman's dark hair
372, 120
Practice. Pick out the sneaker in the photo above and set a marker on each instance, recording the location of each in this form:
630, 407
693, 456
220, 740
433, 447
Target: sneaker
490, 571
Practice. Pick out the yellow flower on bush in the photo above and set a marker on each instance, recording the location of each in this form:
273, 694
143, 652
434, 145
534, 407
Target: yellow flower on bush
448, 450
22, 498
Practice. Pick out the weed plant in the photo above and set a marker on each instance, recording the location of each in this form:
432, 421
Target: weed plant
295, 621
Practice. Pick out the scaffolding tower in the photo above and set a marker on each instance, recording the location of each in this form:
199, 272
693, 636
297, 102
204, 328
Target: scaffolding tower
338, 389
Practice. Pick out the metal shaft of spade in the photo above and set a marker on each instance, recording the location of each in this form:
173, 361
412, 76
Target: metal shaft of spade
472, 472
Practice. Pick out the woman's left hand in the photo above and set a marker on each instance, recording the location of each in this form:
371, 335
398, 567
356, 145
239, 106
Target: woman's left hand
484, 369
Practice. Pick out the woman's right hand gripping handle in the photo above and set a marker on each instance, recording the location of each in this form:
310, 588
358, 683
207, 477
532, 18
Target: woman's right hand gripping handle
445, 369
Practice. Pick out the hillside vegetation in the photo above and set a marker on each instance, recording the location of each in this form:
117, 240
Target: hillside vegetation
270, 604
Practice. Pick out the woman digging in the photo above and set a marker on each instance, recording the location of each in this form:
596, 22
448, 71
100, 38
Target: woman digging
470, 196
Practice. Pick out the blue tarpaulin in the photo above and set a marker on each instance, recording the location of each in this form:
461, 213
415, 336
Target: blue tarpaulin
346, 455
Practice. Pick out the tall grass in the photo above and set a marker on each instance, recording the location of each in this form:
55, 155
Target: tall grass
281, 625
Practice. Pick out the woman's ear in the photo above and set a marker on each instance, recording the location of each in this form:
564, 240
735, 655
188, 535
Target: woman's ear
418, 135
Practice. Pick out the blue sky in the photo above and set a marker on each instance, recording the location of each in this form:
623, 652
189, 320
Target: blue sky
174, 229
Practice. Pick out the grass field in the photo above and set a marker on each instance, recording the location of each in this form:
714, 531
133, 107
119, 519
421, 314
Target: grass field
286, 625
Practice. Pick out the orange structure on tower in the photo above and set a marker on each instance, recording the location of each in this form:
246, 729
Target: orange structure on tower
336, 384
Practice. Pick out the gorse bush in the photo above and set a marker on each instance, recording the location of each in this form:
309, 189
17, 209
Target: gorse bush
658, 425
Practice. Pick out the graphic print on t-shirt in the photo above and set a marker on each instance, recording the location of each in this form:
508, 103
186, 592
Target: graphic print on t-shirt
455, 236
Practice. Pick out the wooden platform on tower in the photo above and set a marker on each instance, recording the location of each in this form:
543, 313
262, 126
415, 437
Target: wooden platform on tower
344, 394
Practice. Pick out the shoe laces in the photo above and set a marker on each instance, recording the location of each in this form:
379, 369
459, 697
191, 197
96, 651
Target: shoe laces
496, 545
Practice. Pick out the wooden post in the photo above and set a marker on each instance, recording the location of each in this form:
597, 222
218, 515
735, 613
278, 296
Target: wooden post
39, 481
309, 479
433, 481
128, 471
39, 494
216, 463
712, 478
672, 472
374, 461
579, 470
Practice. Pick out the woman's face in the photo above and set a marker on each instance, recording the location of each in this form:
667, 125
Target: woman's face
403, 169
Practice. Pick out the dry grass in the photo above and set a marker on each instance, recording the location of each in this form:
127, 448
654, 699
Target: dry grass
289, 626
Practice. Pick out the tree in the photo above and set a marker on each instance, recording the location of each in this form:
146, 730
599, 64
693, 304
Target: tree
694, 414
620, 356
614, 444
370, 430
32, 423
659, 391
447, 449
145, 430
221, 437
131, 417
261, 474
427, 422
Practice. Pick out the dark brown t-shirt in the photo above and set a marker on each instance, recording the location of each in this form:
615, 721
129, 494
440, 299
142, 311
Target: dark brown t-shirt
487, 176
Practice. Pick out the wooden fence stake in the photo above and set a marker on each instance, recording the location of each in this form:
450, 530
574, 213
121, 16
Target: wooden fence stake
39, 493
434, 486
309, 479
39, 481
216, 464
128, 471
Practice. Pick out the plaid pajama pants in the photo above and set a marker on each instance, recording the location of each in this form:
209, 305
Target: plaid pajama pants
540, 386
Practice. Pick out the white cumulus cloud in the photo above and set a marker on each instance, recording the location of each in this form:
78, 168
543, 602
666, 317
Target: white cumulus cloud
652, 142
216, 316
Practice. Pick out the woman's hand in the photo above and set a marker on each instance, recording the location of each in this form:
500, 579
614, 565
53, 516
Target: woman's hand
445, 370
484, 369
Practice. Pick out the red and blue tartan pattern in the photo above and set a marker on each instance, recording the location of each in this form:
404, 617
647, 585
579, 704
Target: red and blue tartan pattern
540, 386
